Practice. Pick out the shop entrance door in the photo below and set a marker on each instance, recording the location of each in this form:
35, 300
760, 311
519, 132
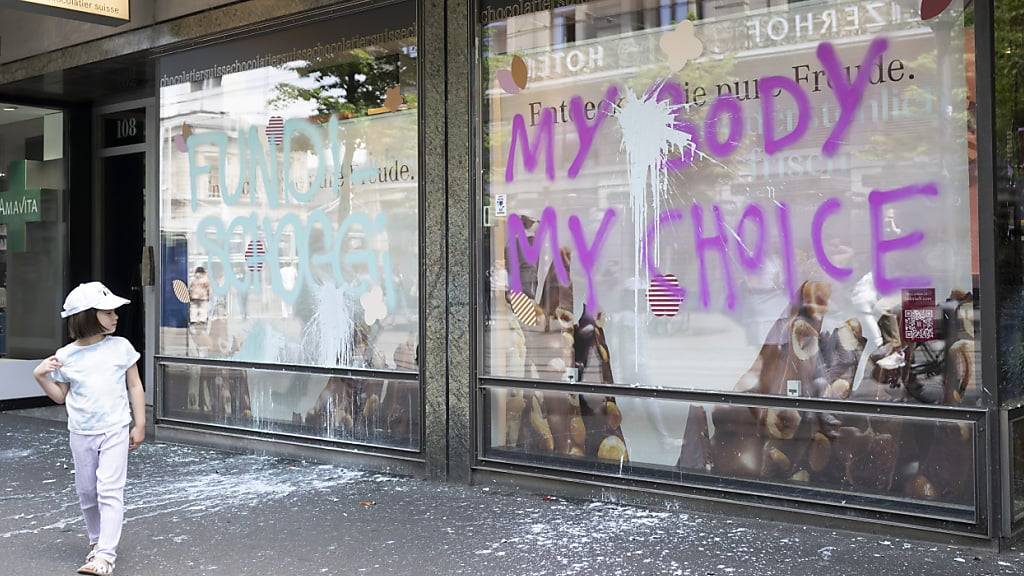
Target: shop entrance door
123, 179
124, 184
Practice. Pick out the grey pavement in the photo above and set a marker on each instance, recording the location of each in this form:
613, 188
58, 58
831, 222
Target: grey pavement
195, 511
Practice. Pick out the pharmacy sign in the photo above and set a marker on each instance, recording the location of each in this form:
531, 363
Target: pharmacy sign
18, 206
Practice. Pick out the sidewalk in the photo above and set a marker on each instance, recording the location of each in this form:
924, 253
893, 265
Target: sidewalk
193, 511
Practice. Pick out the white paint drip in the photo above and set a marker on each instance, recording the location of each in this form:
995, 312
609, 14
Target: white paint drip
649, 138
328, 337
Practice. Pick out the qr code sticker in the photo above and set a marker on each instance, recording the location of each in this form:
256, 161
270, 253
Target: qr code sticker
919, 324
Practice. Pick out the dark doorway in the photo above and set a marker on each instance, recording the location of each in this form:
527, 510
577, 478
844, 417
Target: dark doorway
123, 193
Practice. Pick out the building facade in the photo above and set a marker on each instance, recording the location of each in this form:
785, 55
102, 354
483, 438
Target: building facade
763, 255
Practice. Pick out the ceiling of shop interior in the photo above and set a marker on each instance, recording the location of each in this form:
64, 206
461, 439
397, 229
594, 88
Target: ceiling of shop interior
22, 113
124, 78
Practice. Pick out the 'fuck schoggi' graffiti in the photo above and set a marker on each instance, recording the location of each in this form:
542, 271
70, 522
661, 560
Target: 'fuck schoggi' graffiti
746, 239
332, 255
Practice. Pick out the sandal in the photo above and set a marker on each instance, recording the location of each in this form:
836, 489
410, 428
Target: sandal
92, 553
98, 566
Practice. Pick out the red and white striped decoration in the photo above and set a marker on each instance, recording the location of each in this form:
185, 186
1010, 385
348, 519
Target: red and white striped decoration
254, 253
275, 130
662, 302
180, 291
524, 308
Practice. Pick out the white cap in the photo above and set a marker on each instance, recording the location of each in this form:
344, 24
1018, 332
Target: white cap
91, 295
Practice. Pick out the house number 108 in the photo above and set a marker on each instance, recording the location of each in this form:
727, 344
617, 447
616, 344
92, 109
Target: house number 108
126, 128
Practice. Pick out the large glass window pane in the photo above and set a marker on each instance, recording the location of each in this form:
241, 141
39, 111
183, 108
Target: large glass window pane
289, 196
365, 410
1009, 215
912, 462
1017, 470
765, 197
32, 233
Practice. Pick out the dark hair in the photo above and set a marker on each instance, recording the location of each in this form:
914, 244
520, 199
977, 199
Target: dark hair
200, 270
85, 324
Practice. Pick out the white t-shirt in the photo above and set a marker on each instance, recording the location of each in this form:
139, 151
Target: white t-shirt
97, 400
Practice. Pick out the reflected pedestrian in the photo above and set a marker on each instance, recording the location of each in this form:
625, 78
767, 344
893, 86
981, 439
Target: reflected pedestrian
199, 297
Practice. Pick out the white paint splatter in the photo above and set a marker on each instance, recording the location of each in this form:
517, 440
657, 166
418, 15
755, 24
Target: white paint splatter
649, 138
374, 308
14, 454
328, 337
235, 482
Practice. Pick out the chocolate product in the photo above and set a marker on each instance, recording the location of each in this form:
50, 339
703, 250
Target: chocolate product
782, 423
695, 453
613, 448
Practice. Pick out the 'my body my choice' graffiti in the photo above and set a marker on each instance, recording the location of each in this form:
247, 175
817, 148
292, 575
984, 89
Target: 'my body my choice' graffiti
748, 238
359, 267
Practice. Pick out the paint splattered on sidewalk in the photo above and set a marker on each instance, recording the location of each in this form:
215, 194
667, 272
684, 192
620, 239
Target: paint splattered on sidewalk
197, 511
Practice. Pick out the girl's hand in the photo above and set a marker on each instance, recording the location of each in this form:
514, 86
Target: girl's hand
46, 366
136, 436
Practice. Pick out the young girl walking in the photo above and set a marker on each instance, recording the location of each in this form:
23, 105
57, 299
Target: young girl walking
95, 376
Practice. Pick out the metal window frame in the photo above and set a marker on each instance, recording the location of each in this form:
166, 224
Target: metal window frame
1012, 516
986, 424
299, 19
996, 474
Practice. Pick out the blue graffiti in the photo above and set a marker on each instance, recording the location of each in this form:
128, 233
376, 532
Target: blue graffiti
257, 161
346, 254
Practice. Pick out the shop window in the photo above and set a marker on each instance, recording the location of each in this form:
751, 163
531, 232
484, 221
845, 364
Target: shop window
828, 251
911, 462
33, 234
304, 249
1016, 472
364, 410
774, 199
1009, 199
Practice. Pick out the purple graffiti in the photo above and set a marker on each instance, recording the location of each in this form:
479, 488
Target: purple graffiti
716, 243
848, 95
588, 255
769, 84
665, 218
723, 105
544, 139
547, 232
827, 208
517, 239
877, 200
751, 238
751, 260
671, 91
584, 129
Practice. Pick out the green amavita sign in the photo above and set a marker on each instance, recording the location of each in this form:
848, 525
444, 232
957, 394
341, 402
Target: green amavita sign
18, 206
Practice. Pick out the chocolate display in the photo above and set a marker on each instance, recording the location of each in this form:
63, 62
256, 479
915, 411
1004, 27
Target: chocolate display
798, 357
882, 455
556, 347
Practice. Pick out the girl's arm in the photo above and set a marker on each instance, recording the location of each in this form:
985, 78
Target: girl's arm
138, 400
57, 391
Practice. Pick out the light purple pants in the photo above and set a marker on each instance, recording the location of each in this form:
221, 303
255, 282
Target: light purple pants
101, 466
